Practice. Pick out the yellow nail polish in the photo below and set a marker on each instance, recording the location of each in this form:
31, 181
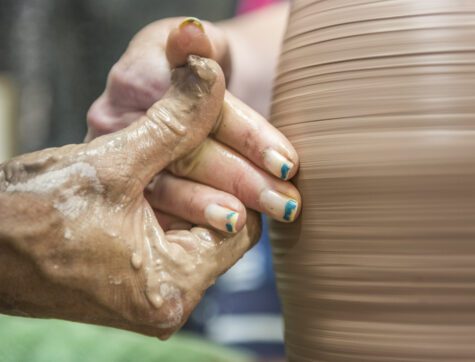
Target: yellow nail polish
277, 164
279, 206
192, 21
221, 218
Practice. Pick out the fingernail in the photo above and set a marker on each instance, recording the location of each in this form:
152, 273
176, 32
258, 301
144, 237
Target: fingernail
277, 164
221, 218
279, 206
192, 21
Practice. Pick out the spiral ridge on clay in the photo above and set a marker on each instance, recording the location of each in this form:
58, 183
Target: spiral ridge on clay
378, 98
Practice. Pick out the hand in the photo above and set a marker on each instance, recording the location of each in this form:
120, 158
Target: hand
79, 241
245, 163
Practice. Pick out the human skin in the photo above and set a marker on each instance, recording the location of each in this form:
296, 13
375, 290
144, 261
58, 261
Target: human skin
95, 269
78, 239
252, 151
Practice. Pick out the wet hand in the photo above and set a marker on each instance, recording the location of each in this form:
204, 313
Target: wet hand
244, 163
86, 243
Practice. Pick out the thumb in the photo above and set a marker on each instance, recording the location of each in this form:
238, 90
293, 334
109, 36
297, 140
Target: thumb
172, 127
201, 38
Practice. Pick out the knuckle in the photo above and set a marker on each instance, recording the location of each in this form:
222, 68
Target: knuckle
169, 120
98, 121
157, 114
193, 203
238, 183
251, 141
123, 84
129, 85
119, 76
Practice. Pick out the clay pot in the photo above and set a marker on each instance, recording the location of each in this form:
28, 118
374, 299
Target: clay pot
378, 98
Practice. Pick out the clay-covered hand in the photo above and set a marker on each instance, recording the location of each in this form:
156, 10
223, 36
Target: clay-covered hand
245, 162
78, 239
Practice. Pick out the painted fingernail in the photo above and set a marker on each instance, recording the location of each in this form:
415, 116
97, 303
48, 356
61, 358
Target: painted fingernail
277, 164
192, 21
221, 218
279, 206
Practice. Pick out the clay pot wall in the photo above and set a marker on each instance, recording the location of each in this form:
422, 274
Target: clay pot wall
378, 98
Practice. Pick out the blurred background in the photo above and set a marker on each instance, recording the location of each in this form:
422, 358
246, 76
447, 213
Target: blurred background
54, 60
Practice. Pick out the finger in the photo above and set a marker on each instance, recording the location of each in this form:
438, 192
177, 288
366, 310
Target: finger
221, 251
172, 127
223, 168
196, 203
170, 222
246, 131
188, 38
207, 254
183, 238
228, 249
104, 118
142, 75
192, 36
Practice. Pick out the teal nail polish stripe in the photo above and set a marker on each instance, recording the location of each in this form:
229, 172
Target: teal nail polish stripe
229, 226
290, 206
284, 171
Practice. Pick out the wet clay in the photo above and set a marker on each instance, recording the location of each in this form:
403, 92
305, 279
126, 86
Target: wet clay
378, 98
79, 241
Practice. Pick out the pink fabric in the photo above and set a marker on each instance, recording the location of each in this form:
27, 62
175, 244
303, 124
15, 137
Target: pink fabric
246, 6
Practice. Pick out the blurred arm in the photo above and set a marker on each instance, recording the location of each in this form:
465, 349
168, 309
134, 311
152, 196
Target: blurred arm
255, 42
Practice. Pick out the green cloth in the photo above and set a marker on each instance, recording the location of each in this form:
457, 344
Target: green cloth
38, 340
